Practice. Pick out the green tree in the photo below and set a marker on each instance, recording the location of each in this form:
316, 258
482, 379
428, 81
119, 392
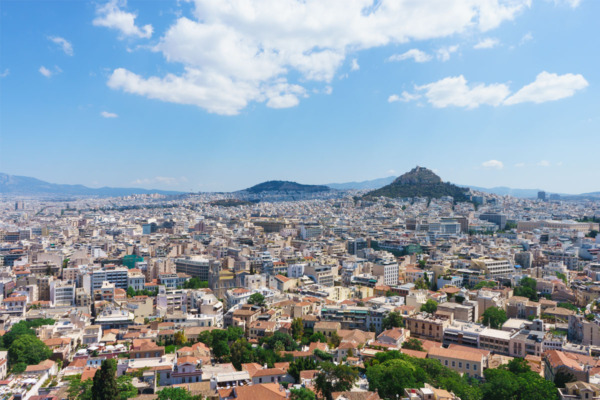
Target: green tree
334, 378
392, 320
430, 306
302, 394
130, 291
241, 353
257, 299
421, 284
180, 338
485, 284
563, 377
195, 283
527, 288
393, 377
126, 388
171, 393
299, 365
317, 337
335, 340
297, 328
28, 349
413, 344
494, 317
104, 386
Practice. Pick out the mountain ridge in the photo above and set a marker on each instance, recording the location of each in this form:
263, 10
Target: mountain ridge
420, 182
285, 186
27, 186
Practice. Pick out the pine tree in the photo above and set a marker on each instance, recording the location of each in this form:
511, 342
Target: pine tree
105, 382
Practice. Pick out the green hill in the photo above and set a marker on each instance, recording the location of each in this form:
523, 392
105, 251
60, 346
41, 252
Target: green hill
420, 182
286, 186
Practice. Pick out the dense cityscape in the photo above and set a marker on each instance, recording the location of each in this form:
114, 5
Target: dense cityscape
300, 293
299, 200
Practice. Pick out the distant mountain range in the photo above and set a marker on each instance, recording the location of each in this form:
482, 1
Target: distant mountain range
420, 182
286, 186
364, 185
25, 186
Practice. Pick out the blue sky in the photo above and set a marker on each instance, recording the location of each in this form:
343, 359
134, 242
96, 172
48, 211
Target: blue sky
218, 96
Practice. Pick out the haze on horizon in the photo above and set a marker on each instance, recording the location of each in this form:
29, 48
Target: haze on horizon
205, 96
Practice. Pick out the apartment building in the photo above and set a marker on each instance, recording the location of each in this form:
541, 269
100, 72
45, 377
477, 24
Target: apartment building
468, 363
427, 326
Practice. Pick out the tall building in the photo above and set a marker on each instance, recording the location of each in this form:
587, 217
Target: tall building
196, 267
542, 195
495, 218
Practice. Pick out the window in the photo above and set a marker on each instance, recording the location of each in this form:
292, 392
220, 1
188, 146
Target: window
453, 363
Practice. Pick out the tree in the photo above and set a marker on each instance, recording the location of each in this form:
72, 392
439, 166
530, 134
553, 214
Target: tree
421, 284
413, 344
299, 365
126, 388
241, 353
130, 291
180, 338
527, 288
429, 307
257, 299
302, 394
28, 349
494, 317
485, 284
393, 377
297, 328
171, 393
334, 378
317, 337
195, 283
104, 386
562, 377
459, 298
392, 320
335, 340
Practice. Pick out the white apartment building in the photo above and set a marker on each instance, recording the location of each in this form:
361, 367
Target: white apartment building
389, 271
62, 293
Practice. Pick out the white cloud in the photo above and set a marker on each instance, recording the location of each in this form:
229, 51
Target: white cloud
572, 3
64, 44
454, 91
234, 51
486, 43
528, 37
354, 66
110, 15
5, 73
45, 71
493, 164
416, 54
543, 163
444, 53
328, 90
391, 171
107, 114
548, 87
405, 97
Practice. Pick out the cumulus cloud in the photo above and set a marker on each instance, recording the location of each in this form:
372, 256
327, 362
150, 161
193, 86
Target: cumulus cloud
232, 52
548, 87
107, 114
486, 43
543, 163
110, 15
405, 97
455, 91
495, 164
64, 44
443, 54
45, 71
354, 66
416, 54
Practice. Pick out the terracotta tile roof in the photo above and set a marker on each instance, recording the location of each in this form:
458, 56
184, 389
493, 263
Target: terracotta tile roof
88, 373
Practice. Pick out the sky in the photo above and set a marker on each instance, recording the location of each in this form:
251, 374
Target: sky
208, 95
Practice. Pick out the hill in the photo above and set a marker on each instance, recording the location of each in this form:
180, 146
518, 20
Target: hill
420, 182
26, 186
363, 185
286, 186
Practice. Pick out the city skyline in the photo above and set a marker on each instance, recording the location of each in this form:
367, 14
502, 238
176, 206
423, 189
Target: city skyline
197, 96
